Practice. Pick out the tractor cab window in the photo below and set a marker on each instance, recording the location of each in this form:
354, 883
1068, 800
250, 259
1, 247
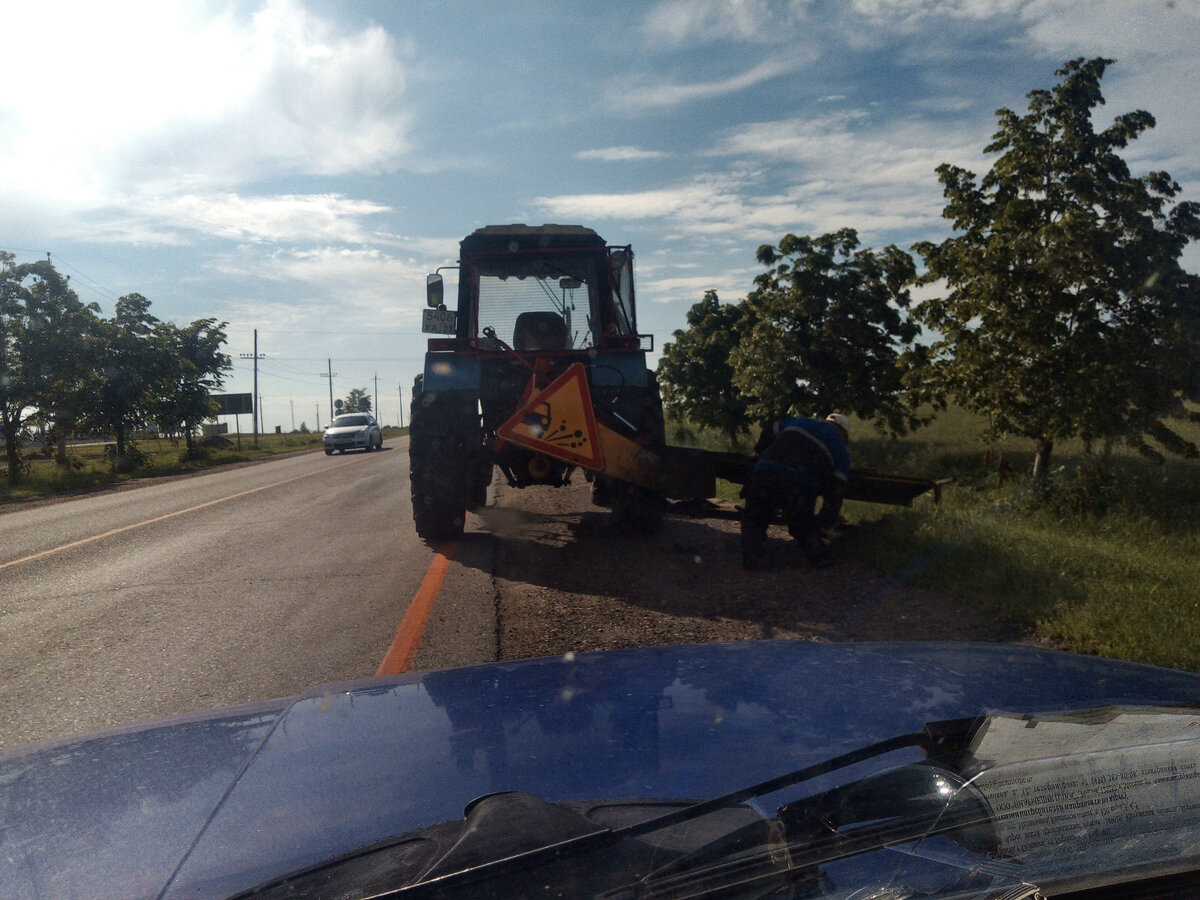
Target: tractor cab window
540, 302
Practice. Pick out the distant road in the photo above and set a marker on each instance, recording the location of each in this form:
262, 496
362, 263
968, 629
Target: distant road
241, 584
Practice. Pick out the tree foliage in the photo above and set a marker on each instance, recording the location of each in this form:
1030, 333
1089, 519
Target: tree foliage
44, 331
695, 373
1067, 312
193, 368
133, 365
358, 400
825, 329
63, 367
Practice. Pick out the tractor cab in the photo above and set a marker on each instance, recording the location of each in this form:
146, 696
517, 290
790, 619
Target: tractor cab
549, 289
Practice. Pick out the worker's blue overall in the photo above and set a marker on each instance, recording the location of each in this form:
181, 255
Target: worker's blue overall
800, 461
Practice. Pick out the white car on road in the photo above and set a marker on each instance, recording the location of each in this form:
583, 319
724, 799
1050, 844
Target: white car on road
353, 431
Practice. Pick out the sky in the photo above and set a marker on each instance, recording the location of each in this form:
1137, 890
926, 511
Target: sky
297, 167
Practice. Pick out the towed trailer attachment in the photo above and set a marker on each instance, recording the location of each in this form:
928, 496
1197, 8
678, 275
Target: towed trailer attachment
691, 474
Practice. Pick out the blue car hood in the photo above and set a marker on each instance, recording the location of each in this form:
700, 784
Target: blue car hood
210, 805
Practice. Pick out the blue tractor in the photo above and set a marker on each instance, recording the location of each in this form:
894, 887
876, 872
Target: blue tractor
540, 371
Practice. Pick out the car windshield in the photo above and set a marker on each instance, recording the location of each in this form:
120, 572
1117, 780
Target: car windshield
448, 429
987, 810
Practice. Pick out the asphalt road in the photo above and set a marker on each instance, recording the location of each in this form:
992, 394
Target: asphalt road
237, 585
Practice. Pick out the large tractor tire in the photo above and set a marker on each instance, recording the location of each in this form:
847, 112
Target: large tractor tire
637, 509
445, 447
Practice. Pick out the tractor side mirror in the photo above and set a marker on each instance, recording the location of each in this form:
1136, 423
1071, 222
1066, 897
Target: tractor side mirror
434, 290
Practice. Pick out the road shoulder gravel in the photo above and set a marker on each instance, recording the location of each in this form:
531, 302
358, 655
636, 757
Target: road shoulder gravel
568, 579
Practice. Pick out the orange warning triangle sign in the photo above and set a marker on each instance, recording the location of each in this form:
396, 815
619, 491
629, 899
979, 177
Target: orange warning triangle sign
559, 421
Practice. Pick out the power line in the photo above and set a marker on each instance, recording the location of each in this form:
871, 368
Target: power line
371, 359
279, 371
97, 286
325, 331
268, 374
57, 260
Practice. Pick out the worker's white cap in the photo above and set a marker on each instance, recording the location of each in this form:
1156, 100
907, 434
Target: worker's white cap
842, 423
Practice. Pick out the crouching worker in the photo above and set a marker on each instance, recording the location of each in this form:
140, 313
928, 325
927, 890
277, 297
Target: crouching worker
800, 460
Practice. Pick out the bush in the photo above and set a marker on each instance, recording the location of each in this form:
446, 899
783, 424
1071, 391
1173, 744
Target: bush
1093, 490
133, 459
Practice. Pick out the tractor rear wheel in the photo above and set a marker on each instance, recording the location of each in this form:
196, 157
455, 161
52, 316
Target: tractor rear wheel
445, 446
637, 509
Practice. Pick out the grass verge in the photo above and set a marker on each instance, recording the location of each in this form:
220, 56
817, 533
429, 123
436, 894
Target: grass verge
89, 467
1107, 562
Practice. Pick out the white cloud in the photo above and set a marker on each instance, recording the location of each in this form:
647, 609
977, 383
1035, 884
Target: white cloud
621, 154
354, 287
908, 13
705, 201
149, 96
435, 251
848, 170
285, 218
729, 285
752, 21
1154, 48
802, 175
643, 96
1153, 44
1149, 31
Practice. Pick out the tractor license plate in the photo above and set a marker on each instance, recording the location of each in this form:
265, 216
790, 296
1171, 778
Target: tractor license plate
439, 321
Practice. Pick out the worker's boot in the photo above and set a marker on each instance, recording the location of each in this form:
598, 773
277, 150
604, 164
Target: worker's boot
818, 554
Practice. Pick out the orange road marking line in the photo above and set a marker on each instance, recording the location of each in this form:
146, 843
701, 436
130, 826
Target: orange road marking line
404, 646
170, 515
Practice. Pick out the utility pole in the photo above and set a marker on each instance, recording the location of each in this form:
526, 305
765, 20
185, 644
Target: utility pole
292, 404
257, 403
400, 389
330, 375
318, 417
375, 397
255, 400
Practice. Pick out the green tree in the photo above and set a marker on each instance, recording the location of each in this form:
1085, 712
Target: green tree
825, 329
134, 364
72, 346
44, 331
695, 373
358, 400
1067, 313
193, 367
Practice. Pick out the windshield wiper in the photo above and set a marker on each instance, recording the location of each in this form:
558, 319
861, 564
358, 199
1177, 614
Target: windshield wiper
899, 806
935, 739
480, 847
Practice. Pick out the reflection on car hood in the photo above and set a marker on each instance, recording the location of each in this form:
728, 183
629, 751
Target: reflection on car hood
209, 805
346, 429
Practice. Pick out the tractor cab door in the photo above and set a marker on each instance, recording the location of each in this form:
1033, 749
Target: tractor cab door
621, 318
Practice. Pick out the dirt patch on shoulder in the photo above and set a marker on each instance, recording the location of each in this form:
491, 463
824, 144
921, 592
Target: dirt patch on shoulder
569, 579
